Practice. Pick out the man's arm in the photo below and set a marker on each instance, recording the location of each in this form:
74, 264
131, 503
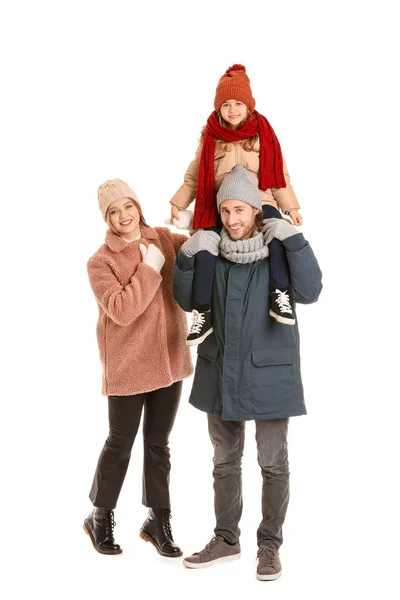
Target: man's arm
305, 274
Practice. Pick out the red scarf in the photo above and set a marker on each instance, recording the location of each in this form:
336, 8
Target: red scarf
271, 162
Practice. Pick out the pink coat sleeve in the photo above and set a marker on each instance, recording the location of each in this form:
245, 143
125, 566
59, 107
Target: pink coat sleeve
123, 303
178, 239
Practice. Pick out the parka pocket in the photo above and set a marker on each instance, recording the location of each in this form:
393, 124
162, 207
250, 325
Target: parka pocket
275, 379
269, 357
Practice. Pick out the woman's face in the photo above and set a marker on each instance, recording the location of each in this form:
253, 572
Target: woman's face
124, 217
234, 112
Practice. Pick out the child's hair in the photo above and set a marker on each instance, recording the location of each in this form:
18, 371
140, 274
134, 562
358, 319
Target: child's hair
142, 220
248, 144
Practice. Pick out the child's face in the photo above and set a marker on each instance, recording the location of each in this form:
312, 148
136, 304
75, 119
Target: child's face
234, 112
124, 217
238, 218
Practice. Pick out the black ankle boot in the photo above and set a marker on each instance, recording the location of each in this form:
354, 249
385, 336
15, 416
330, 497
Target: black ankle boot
100, 527
157, 530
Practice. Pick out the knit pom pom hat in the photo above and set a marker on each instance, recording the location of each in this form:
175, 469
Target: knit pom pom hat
234, 85
114, 189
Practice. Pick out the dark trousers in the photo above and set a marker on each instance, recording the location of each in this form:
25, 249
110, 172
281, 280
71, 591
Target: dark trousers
280, 277
205, 266
124, 413
227, 438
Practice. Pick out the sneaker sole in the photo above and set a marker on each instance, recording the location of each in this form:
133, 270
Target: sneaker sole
283, 320
191, 565
200, 339
86, 529
269, 577
147, 538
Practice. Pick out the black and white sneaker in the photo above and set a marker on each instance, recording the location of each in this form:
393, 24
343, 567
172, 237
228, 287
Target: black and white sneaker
281, 308
200, 329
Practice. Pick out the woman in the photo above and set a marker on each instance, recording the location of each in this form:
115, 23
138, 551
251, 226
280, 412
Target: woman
141, 334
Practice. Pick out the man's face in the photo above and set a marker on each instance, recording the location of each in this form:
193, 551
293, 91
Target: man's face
238, 218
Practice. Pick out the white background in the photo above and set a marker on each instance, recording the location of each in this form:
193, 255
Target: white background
97, 90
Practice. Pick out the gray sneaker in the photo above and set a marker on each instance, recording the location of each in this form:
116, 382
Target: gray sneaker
269, 565
216, 551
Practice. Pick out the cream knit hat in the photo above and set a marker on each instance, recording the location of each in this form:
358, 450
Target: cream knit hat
114, 189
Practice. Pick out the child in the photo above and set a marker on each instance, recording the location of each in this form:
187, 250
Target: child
236, 134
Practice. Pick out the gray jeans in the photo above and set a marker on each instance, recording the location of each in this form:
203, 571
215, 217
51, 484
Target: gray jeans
228, 440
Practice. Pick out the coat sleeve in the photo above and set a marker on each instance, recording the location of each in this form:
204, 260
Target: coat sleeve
305, 274
187, 192
183, 281
285, 197
178, 239
123, 303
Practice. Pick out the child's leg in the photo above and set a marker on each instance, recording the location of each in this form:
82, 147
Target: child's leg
202, 294
203, 280
280, 277
281, 308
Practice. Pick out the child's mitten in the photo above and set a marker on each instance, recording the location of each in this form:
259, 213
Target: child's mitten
185, 220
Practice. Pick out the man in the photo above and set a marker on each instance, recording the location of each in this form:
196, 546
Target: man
249, 367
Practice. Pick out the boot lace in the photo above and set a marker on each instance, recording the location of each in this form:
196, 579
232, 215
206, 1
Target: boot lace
283, 301
198, 320
166, 525
109, 524
266, 556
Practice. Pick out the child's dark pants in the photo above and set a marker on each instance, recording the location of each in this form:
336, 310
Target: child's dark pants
205, 265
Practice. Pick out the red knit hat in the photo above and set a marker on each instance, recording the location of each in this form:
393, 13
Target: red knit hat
234, 85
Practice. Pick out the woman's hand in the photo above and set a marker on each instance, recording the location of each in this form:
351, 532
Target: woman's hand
295, 216
152, 256
202, 240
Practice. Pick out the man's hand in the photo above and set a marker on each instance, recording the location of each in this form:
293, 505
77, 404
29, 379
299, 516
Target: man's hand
277, 228
202, 240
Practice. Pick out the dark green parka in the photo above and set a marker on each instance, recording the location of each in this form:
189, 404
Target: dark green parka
249, 367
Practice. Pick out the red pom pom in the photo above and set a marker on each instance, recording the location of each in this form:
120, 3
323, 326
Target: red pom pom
236, 68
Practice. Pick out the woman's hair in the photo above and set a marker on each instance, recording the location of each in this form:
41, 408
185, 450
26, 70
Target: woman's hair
142, 220
248, 144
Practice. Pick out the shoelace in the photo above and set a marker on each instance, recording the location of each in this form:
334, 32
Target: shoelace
109, 524
166, 525
266, 556
198, 320
283, 301
209, 547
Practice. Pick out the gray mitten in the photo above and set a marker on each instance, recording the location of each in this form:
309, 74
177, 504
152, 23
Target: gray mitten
277, 228
152, 256
202, 240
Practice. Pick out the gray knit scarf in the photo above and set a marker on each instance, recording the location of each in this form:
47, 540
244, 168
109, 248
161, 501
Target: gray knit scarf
243, 251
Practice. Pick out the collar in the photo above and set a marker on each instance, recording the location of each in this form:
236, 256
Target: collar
116, 243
